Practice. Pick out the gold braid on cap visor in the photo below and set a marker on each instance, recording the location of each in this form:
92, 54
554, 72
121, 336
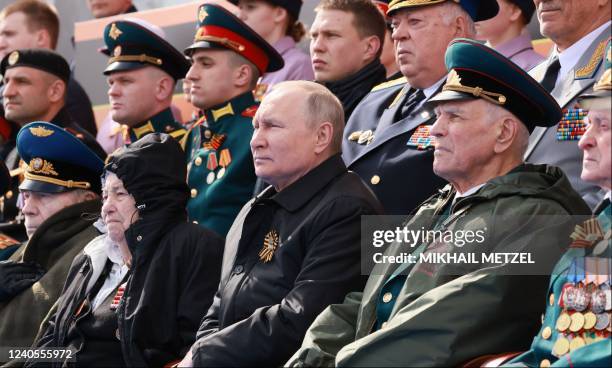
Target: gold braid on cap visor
453, 83
142, 58
63, 183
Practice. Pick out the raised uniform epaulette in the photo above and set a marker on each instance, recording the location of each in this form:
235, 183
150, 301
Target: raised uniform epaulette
250, 112
390, 83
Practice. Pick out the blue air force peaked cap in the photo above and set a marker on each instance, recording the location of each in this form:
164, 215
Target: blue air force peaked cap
131, 45
217, 28
477, 9
57, 161
477, 71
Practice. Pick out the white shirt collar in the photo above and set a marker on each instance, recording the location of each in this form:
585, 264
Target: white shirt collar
429, 91
569, 57
609, 195
469, 192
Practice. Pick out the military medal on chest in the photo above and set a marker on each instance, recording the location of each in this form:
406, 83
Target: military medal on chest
270, 244
216, 159
586, 298
572, 125
118, 295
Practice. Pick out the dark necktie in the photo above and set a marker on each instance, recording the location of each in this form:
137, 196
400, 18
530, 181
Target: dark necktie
550, 78
411, 101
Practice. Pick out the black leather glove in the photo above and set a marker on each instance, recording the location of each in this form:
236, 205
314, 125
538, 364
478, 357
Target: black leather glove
17, 276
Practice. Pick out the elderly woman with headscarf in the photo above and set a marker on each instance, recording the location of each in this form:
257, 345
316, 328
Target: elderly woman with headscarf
136, 294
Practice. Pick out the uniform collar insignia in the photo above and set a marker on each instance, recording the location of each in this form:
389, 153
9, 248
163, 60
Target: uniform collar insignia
142, 130
221, 112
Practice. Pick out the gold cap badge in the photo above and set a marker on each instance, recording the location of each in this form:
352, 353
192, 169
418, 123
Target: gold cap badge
13, 58
40, 166
41, 131
202, 14
114, 32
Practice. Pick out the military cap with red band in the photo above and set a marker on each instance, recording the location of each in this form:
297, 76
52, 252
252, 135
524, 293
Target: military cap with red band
218, 28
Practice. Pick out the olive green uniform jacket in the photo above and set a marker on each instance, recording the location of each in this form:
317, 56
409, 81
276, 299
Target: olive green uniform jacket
54, 245
438, 319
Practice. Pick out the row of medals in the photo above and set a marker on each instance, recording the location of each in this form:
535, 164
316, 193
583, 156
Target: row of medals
585, 317
212, 144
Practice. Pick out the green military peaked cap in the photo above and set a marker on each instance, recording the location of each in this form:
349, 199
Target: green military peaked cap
131, 45
477, 71
218, 28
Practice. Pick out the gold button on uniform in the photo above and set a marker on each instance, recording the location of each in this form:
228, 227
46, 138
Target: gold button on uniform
387, 297
198, 161
546, 333
551, 299
545, 363
9, 194
194, 193
375, 180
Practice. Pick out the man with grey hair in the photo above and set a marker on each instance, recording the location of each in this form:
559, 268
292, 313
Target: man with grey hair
443, 307
580, 30
388, 134
294, 249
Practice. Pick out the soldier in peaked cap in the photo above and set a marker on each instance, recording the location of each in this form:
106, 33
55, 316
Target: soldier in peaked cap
61, 194
227, 59
142, 71
35, 83
388, 134
439, 314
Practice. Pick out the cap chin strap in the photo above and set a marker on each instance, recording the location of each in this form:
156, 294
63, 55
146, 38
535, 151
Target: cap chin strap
478, 92
63, 183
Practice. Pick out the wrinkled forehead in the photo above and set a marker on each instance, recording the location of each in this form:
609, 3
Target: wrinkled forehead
111, 182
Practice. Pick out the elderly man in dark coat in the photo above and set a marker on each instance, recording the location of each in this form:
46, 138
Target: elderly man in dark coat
463, 298
294, 249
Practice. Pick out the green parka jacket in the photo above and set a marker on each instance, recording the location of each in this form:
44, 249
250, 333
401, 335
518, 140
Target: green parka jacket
447, 314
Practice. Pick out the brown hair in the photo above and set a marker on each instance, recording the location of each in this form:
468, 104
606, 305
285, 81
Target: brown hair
368, 20
296, 29
39, 14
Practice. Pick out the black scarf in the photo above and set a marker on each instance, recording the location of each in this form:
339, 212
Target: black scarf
351, 90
